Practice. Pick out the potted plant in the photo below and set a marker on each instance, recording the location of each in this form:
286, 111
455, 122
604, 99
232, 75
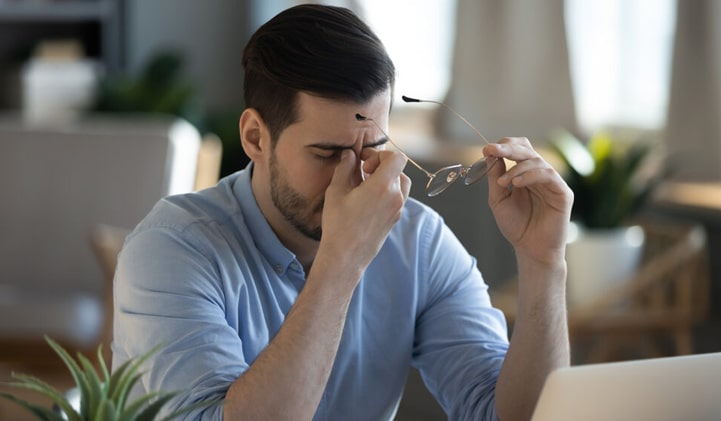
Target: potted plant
612, 177
100, 396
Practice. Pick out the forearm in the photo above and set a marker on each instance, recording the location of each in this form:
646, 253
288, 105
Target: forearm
287, 379
539, 343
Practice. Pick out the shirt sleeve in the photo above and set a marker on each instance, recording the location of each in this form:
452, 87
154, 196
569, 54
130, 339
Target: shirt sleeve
168, 294
460, 340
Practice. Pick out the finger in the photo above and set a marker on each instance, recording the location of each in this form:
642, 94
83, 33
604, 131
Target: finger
513, 148
536, 176
405, 186
520, 168
371, 159
346, 174
386, 165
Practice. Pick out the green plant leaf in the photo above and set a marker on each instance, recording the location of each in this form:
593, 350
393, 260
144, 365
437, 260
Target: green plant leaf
103, 366
95, 388
103, 396
573, 152
128, 377
42, 413
114, 384
106, 411
104, 370
78, 375
619, 184
131, 411
37, 385
152, 410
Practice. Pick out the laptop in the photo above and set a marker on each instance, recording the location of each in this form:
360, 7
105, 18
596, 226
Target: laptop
658, 389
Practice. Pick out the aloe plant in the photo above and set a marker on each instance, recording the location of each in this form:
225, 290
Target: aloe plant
612, 176
103, 396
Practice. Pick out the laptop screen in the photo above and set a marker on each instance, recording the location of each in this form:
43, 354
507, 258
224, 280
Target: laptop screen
659, 389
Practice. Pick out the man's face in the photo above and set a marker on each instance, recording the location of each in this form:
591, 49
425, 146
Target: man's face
302, 163
295, 208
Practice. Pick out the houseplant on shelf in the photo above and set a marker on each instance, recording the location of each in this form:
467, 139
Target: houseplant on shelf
612, 177
101, 396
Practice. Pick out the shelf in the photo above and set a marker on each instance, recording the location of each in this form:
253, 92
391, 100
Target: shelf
55, 11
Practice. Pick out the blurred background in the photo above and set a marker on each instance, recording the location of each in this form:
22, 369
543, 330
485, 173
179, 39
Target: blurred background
108, 105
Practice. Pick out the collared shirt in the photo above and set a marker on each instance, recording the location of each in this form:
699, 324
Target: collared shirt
204, 276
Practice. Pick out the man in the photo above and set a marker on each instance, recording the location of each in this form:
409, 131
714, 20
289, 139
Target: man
306, 285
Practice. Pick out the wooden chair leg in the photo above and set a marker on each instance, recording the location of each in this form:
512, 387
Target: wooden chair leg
683, 341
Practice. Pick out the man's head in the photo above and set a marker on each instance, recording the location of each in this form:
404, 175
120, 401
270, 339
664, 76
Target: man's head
321, 50
309, 71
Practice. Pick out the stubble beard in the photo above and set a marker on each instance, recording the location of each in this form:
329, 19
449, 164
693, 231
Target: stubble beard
295, 208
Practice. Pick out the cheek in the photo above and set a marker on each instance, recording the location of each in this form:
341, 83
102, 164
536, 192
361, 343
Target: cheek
311, 179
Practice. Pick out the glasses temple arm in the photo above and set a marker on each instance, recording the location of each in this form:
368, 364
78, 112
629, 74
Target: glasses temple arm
448, 107
360, 117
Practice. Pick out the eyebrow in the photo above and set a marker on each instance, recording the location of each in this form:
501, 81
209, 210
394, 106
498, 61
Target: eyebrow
336, 147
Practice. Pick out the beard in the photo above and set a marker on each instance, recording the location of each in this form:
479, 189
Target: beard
295, 208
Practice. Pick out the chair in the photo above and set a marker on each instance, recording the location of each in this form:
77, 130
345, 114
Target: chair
61, 182
210, 157
652, 313
666, 297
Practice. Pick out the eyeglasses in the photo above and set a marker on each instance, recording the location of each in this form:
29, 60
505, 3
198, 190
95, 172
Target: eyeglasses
440, 180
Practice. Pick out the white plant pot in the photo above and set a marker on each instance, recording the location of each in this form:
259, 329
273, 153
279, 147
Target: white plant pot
600, 259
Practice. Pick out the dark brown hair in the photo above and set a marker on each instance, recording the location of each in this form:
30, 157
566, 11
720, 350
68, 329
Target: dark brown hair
322, 50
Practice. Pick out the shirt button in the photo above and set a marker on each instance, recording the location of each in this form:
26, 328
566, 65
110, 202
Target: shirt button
278, 269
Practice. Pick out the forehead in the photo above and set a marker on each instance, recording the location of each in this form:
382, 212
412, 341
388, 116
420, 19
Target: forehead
325, 112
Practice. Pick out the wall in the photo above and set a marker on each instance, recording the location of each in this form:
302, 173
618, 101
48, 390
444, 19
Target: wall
211, 33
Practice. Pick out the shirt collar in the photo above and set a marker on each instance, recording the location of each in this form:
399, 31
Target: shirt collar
279, 257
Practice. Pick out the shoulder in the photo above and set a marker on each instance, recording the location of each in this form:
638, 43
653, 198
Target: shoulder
178, 212
200, 219
419, 220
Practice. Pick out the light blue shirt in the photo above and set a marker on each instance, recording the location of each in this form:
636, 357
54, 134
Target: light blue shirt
205, 276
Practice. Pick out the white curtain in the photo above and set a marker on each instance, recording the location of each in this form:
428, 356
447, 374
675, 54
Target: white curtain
510, 77
693, 135
511, 71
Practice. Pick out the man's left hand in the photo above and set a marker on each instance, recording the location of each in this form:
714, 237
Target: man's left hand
530, 200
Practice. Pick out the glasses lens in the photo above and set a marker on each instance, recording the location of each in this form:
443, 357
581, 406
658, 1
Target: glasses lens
479, 169
442, 179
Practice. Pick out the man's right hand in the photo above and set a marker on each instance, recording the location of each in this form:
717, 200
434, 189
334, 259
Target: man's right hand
358, 214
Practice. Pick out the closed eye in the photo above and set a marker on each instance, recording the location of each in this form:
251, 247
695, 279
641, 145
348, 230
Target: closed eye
328, 153
327, 156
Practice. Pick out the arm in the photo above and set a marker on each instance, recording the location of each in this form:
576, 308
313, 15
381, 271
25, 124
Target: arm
532, 205
287, 379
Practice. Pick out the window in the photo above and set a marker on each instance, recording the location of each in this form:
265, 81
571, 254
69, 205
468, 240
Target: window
418, 35
620, 58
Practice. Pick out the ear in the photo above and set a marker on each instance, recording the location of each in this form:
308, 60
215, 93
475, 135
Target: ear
254, 134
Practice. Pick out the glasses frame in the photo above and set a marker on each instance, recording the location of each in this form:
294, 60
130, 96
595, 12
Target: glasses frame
442, 179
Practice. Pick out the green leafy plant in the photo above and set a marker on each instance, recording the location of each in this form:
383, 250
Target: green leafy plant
162, 87
103, 396
612, 175
159, 87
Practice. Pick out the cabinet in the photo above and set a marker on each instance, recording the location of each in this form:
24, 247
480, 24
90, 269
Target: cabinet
96, 24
